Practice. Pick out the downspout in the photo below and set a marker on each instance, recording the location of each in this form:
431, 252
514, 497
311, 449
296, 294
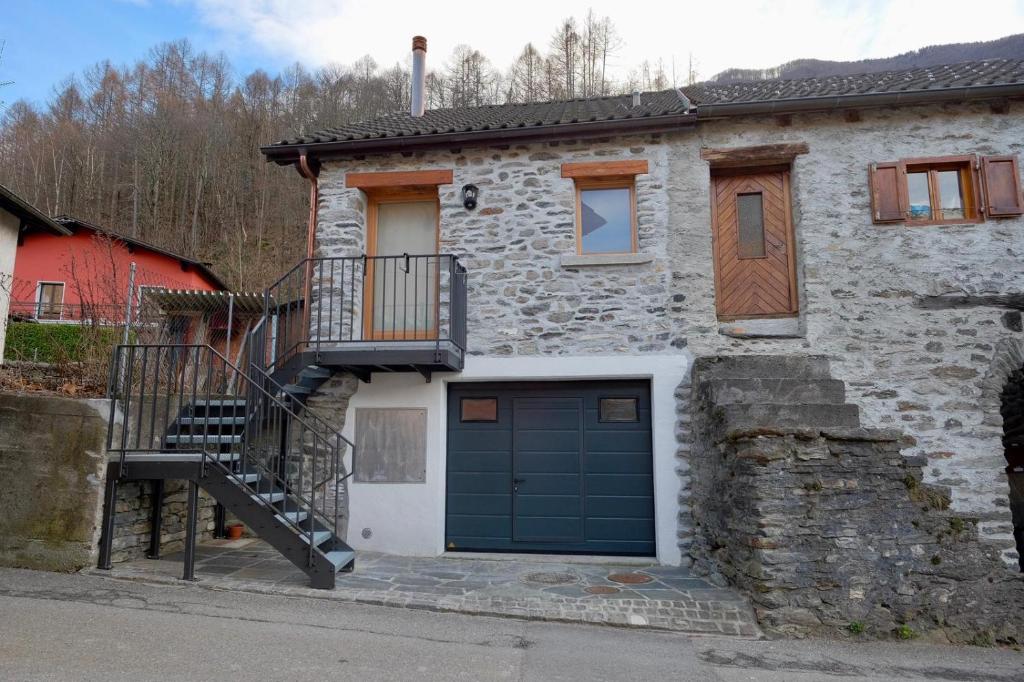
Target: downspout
309, 169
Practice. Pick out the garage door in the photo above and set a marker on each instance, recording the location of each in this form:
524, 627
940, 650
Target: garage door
550, 467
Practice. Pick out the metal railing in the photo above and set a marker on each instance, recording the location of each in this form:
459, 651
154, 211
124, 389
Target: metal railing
41, 311
191, 399
339, 301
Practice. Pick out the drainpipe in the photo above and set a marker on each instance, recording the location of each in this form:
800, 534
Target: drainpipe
309, 169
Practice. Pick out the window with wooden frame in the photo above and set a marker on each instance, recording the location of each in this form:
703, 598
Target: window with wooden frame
605, 205
948, 190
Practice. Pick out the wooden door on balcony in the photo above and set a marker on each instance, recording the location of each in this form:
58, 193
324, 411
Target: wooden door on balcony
402, 283
755, 269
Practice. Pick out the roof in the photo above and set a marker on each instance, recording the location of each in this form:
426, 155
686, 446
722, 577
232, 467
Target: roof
29, 215
661, 110
201, 300
71, 224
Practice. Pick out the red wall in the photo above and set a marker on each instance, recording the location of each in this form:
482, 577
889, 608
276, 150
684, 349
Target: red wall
94, 270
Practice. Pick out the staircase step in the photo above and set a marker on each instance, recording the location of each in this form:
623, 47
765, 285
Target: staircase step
213, 421
762, 367
295, 516
194, 438
269, 497
297, 389
774, 416
319, 537
221, 402
314, 372
340, 558
777, 391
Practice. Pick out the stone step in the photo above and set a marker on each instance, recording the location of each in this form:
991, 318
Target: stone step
778, 391
773, 416
762, 367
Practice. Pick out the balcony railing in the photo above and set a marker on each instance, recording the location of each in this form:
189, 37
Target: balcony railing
366, 301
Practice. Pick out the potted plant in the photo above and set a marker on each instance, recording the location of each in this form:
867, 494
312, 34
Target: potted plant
235, 531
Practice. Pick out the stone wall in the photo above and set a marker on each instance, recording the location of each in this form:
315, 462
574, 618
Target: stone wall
832, 531
133, 521
52, 461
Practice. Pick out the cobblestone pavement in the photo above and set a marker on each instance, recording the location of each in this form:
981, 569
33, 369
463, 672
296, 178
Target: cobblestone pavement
624, 594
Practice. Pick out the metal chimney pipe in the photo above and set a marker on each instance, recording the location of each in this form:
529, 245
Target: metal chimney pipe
419, 74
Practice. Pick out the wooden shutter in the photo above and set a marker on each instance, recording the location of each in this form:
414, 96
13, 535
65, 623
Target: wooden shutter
888, 192
1001, 178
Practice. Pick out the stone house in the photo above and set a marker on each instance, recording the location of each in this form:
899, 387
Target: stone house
875, 220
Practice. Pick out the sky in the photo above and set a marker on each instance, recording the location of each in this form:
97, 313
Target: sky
48, 40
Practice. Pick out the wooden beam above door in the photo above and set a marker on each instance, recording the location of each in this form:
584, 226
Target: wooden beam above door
390, 179
760, 155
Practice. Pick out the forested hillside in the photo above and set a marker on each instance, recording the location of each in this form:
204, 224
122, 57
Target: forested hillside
167, 149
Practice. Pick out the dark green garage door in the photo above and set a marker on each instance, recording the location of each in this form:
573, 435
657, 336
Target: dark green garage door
550, 467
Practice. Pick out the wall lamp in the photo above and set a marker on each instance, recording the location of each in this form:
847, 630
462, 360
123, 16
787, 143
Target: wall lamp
469, 195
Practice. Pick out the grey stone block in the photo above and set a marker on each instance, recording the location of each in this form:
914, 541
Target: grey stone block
761, 367
774, 416
779, 391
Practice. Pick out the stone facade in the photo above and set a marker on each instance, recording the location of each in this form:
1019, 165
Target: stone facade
872, 297
134, 519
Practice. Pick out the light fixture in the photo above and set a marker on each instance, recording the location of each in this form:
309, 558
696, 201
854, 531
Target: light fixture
469, 194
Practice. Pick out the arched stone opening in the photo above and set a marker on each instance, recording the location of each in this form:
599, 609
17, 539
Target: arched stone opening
1012, 411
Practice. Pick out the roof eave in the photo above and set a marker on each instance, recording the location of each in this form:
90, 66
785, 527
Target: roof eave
286, 154
28, 214
876, 99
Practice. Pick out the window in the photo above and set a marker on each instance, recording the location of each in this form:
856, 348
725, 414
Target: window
605, 218
605, 205
750, 218
479, 410
617, 410
51, 296
941, 192
945, 190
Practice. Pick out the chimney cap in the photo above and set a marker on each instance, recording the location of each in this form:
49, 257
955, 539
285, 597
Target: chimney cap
419, 43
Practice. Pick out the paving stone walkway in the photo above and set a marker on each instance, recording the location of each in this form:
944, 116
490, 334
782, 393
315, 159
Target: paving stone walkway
623, 594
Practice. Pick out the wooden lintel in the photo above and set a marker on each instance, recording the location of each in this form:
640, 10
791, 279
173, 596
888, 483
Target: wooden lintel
602, 169
398, 179
751, 156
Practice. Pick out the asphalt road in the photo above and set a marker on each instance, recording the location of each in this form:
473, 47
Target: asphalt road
73, 627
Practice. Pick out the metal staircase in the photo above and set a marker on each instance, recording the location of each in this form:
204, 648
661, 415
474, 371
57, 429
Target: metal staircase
242, 433
187, 413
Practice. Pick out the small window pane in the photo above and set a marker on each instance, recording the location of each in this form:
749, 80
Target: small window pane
750, 215
920, 200
951, 195
606, 223
479, 409
618, 410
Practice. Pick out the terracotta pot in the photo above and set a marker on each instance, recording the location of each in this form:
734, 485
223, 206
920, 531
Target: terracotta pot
235, 532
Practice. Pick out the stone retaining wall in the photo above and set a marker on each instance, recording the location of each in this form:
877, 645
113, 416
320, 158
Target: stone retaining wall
833, 531
52, 461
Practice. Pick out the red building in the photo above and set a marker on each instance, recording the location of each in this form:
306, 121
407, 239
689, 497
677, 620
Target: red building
86, 274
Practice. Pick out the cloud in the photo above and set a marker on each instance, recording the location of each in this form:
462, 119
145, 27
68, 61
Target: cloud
755, 33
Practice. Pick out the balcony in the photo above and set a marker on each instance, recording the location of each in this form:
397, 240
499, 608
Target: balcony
365, 314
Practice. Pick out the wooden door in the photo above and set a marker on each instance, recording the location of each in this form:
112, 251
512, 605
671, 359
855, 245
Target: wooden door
755, 268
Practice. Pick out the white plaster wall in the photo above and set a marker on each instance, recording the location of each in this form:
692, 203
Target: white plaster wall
409, 518
8, 251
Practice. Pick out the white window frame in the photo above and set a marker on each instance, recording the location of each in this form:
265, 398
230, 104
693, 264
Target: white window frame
39, 301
